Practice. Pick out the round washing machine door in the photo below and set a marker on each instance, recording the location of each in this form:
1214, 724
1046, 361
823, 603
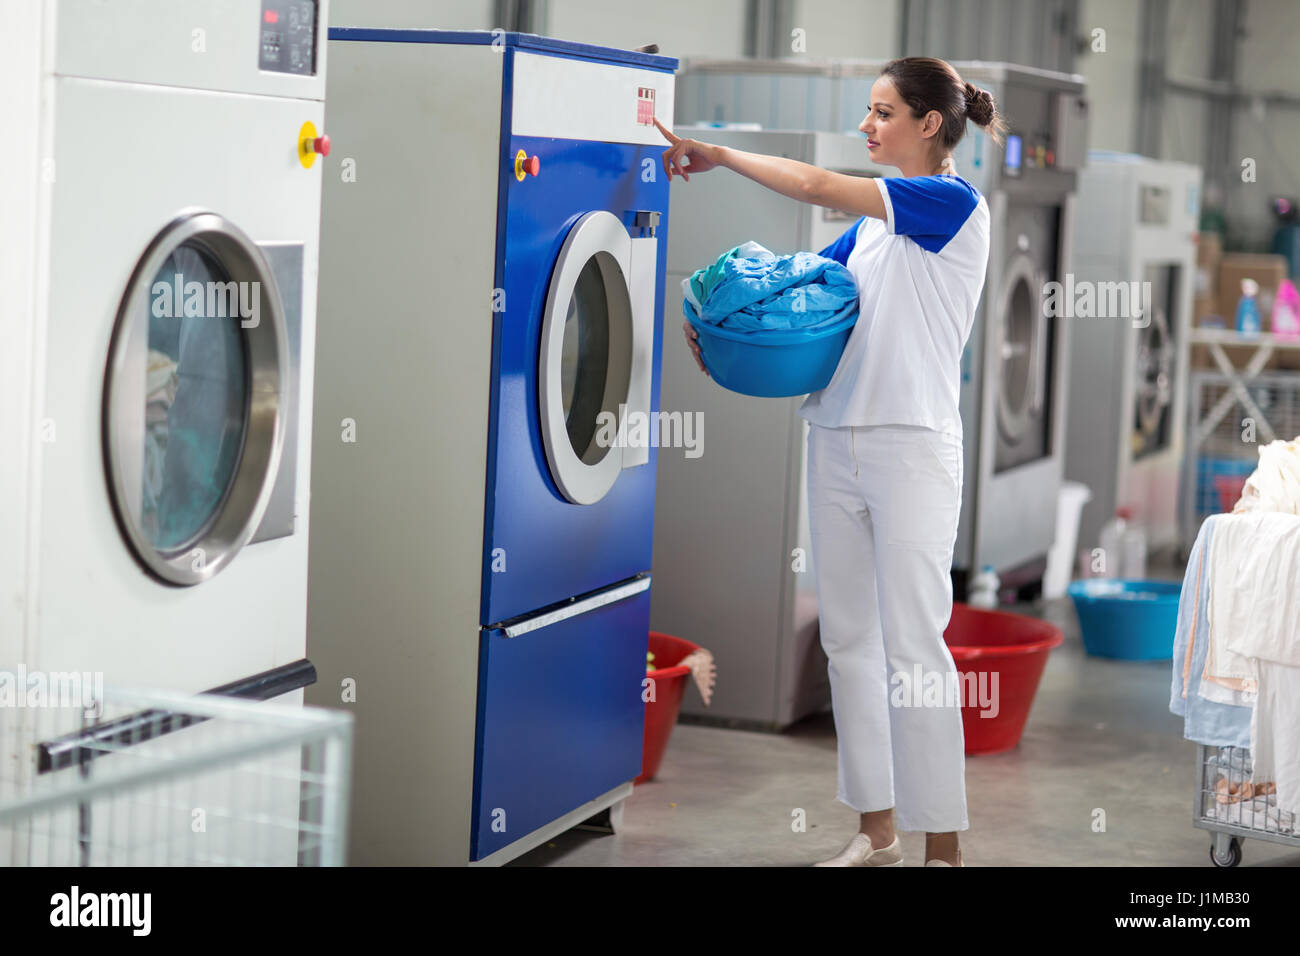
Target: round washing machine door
1019, 333
585, 360
192, 426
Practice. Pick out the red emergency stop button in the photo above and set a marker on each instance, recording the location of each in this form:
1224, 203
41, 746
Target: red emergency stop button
526, 165
310, 145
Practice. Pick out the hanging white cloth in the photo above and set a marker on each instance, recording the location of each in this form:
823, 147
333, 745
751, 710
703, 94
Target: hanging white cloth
1275, 484
1255, 635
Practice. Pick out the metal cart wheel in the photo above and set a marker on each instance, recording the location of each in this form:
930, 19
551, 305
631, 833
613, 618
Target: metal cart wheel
1231, 857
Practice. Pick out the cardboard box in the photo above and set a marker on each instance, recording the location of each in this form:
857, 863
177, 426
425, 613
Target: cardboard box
1209, 248
1267, 270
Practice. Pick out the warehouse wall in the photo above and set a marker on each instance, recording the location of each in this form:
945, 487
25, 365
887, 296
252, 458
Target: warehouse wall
862, 29
1113, 74
680, 27
424, 14
1113, 77
1038, 33
1267, 133
1186, 115
856, 28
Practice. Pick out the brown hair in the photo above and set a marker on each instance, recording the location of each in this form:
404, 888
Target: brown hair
926, 83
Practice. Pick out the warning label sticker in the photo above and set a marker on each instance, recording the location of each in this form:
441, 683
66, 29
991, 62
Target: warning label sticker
645, 105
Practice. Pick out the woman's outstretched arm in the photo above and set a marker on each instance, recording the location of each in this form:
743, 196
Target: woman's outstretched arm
857, 195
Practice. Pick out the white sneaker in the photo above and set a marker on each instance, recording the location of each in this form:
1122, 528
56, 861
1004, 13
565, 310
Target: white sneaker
860, 853
960, 861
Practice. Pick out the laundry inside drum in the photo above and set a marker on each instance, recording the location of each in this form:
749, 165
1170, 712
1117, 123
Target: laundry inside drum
196, 397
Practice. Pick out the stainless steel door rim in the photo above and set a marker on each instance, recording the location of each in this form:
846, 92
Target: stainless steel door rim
265, 353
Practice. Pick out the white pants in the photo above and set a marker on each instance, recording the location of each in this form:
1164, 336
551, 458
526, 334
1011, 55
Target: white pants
883, 508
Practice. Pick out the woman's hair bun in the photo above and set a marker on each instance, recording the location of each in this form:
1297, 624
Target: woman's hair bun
979, 105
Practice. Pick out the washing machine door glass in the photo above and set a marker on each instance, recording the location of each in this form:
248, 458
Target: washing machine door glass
196, 399
192, 427
1021, 365
585, 358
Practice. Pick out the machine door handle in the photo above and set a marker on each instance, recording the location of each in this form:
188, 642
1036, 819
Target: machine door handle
599, 599
83, 746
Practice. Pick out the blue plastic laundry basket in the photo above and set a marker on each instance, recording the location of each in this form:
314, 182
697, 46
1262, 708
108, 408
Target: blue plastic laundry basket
1127, 619
772, 364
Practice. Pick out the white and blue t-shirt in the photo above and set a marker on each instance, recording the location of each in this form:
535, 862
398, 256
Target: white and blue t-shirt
919, 273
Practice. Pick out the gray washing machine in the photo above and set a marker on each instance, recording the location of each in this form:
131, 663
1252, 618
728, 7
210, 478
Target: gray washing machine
732, 550
1015, 375
1015, 367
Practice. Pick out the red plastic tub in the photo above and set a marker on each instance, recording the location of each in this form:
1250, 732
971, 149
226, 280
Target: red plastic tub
661, 713
1013, 647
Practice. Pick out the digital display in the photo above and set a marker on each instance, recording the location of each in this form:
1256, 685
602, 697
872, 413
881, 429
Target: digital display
288, 36
1013, 155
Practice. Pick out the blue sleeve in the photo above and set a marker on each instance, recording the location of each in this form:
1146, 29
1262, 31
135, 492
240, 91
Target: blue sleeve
930, 209
839, 249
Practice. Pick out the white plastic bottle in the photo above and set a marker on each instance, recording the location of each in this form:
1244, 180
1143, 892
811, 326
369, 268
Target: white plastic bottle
1112, 541
984, 588
1135, 552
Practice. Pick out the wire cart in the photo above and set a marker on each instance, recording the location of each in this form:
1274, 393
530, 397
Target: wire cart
164, 779
1217, 460
1232, 808
1216, 465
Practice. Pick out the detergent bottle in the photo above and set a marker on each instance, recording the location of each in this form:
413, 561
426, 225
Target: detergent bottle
984, 588
1248, 308
1285, 321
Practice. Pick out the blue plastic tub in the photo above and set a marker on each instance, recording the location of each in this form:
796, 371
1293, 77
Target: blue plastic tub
1126, 619
776, 364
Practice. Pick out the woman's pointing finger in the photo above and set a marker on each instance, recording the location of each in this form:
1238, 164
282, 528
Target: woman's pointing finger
671, 137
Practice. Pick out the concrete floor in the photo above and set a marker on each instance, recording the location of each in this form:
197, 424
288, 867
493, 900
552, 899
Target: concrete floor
1100, 736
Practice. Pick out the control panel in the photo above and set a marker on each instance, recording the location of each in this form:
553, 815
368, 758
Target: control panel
1047, 131
288, 36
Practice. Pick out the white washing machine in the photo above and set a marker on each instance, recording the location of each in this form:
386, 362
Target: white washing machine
1136, 232
165, 204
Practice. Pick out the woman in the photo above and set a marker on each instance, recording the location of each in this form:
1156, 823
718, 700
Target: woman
885, 449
